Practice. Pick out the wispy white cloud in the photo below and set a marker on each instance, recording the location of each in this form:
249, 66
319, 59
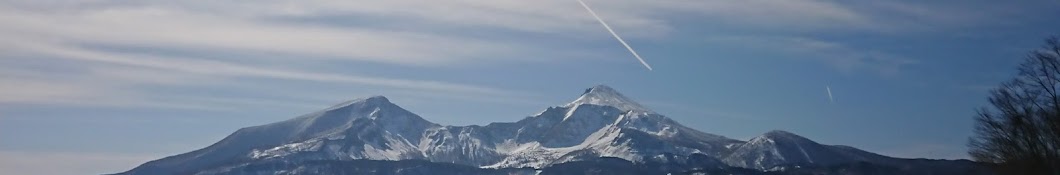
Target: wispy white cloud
115, 82
218, 68
794, 15
60, 30
951, 17
842, 57
172, 28
67, 31
31, 91
123, 94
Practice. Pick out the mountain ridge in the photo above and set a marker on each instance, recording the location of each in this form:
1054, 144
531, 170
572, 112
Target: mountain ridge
599, 123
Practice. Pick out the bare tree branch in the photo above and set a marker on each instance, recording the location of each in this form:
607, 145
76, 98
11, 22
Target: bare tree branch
1020, 131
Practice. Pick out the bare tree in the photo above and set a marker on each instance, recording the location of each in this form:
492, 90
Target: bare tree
1020, 131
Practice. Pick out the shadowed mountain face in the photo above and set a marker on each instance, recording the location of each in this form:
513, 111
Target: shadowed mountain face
599, 123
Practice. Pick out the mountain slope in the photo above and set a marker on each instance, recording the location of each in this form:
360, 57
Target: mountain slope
330, 122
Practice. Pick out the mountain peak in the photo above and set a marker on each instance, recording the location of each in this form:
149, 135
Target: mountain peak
780, 133
604, 95
370, 101
601, 89
377, 99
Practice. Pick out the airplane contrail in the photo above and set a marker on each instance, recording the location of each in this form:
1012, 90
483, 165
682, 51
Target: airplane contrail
615, 34
829, 89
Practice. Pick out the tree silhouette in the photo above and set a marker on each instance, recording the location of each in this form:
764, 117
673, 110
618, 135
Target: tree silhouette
1020, 131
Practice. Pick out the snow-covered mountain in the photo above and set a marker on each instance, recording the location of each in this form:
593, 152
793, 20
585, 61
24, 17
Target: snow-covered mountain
599, 123
777, 148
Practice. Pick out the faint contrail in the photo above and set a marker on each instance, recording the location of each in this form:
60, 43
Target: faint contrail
829, 89
615, 34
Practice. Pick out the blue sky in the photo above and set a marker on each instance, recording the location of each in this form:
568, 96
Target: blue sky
100, 86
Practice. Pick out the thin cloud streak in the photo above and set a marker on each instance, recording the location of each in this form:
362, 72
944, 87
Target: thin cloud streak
830, 98
196, 66
123, 80
615, 34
